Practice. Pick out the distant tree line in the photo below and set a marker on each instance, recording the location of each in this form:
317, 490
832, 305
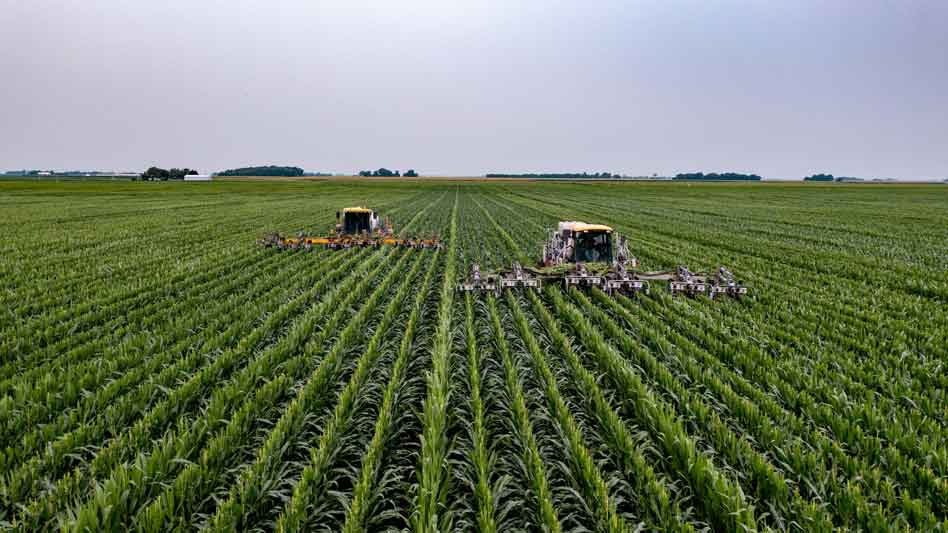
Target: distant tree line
715, 176
161, 174
270, 170
386, 173
560, 176
819, 177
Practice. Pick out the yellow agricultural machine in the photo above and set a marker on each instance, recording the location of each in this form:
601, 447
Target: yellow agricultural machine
355, 227
593, 255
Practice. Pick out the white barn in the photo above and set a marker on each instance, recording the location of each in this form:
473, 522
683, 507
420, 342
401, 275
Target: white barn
198, 177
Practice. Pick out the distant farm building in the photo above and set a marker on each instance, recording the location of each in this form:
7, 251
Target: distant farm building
198, 177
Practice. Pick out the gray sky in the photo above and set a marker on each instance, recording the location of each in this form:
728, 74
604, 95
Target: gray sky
783, 89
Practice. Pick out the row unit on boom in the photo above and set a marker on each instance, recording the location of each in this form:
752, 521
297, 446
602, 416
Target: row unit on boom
582, 255
576, 254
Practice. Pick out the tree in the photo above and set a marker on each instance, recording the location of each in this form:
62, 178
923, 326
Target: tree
155, 174
270, 170
819, 177
180, 173
715, 176
160, 174
383, 173
410, 173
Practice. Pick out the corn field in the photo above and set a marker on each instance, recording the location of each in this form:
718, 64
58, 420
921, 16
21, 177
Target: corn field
159, 371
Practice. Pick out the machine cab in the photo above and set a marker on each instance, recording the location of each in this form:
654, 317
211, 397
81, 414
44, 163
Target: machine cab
578, 242
592, 246
356, 220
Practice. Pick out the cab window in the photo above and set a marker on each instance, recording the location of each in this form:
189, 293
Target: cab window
356, 223
592, 247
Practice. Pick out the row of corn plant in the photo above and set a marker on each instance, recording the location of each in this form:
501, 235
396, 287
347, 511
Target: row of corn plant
766, 483
481, 455
720, 497
652, 491
395, 486
481, 488
311, 486
592, 483
367, 489
547, 517
487, 452
432, 509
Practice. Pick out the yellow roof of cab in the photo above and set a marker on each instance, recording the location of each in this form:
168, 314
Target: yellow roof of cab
356, 210
582, 226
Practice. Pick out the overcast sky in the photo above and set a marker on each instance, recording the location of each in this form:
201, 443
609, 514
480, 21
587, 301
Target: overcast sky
783, 89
